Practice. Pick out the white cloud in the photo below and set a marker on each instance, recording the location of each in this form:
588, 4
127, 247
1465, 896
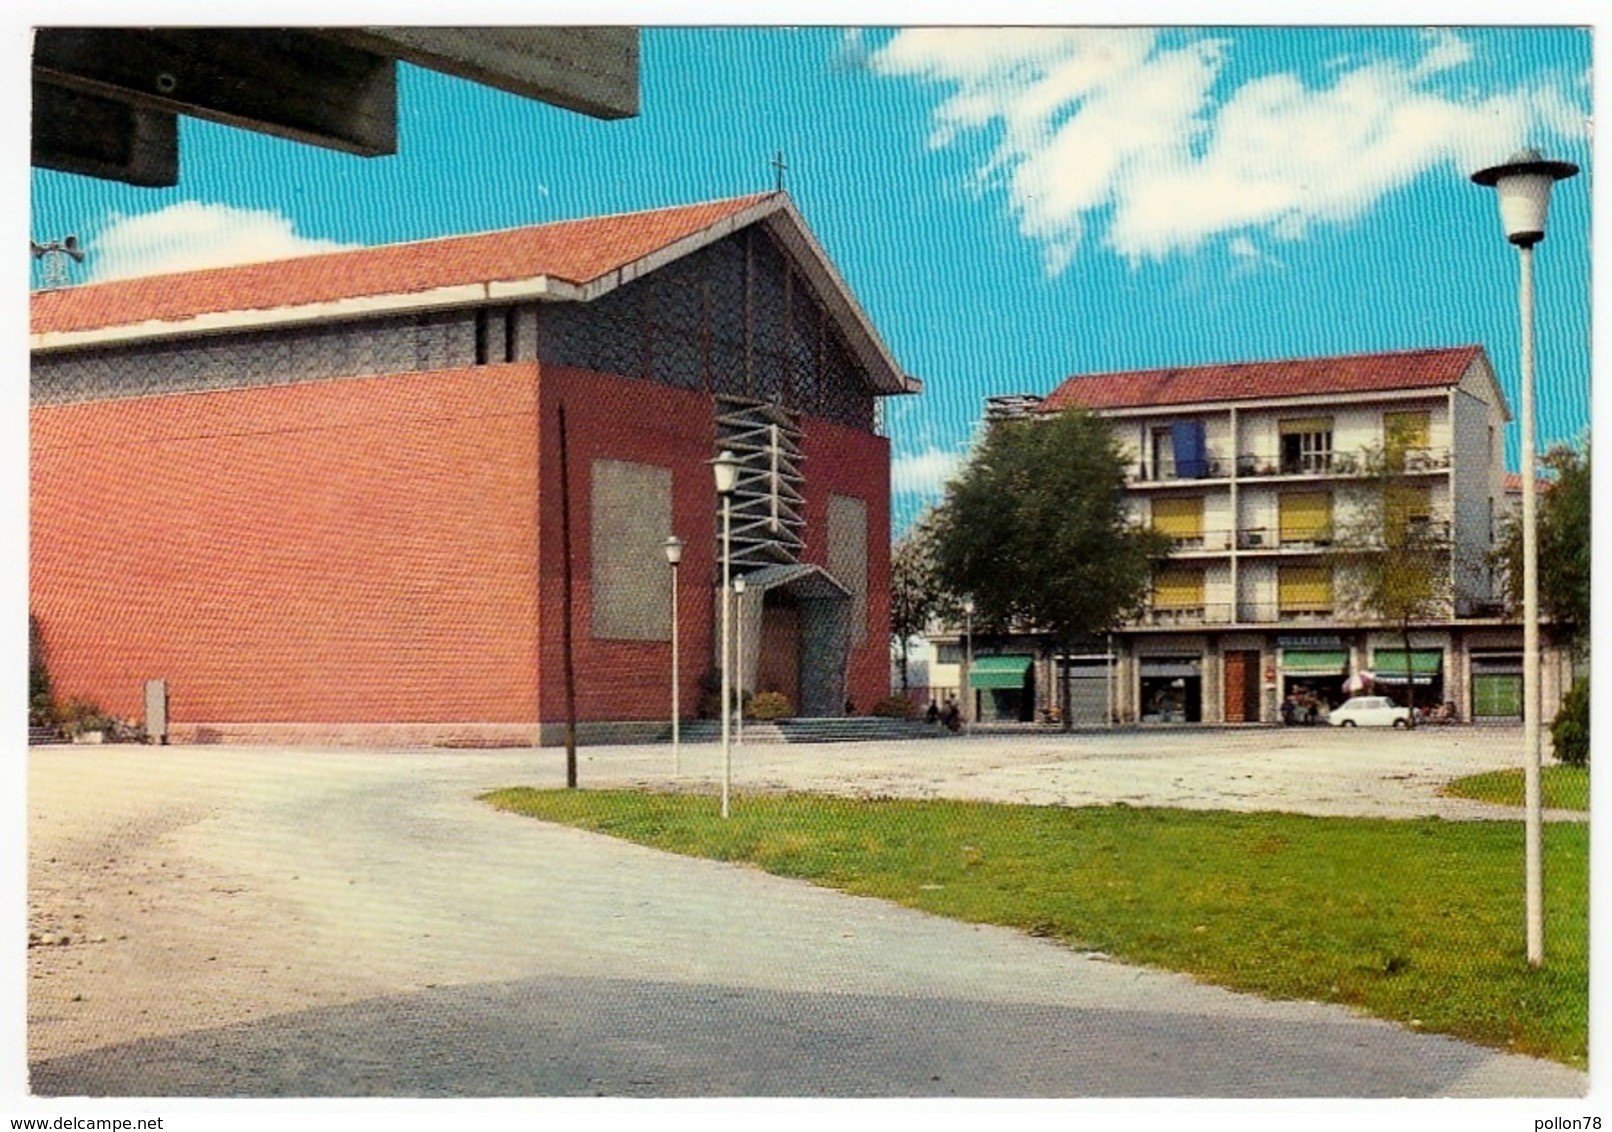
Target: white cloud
1122, 137
924, 473
191, 235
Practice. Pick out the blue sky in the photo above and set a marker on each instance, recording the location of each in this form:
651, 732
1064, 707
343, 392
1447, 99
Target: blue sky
1010, 206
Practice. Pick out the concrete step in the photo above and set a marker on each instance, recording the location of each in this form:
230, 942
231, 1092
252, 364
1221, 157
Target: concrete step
847, 729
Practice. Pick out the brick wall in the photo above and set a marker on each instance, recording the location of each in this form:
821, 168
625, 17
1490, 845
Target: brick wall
346, 551
362, 551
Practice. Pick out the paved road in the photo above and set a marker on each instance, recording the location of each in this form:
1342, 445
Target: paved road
292, 923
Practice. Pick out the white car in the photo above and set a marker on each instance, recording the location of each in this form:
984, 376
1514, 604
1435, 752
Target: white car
1369, 711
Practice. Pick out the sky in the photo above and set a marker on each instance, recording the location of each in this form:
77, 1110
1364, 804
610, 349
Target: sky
1010, 206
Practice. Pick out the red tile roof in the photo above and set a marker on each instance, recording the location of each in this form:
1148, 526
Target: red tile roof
1242, 381
575, 251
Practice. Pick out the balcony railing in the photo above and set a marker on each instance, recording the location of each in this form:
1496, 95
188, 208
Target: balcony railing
1208, 614
1207, 542
1215, 466
1254, 464
1224, 613
1270, 538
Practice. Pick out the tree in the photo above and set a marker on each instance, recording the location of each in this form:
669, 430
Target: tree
1564, 546
1035, 529
914, 588
1393, 557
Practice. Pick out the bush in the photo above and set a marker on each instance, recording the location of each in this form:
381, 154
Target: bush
1570, 730
895, 707
770, 705
42, 710
80, 716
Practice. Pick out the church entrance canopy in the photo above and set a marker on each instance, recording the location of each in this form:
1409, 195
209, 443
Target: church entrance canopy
796, 633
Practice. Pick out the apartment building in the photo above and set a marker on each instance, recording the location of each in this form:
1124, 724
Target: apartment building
1253, 468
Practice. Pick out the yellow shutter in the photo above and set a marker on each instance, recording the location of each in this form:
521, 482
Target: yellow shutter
1304, 516
1403, 504
1304, 589
1179, 518
1178, 589
1405, 431
1303, 425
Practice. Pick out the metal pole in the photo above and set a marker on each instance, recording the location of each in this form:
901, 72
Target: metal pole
1108, 680
677, 713
727, 676
968, 670
1533, 858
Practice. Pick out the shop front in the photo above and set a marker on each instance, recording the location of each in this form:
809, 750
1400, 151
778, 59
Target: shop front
1497, 685
1415, 677
1172, 689
1003, 688
1314, 671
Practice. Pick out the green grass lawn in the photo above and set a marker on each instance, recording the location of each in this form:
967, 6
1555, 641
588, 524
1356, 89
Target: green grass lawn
1416, 921
1560, 787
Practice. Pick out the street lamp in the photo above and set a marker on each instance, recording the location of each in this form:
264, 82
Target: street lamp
1524, 185
726, 469
738, 661
674, 556
968, 663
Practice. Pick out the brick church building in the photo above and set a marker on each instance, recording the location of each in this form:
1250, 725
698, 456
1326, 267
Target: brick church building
322, 498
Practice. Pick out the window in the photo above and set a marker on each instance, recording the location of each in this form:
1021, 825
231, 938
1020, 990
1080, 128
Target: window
1405, 438
1181, 519
1162, 466
1406, 507
1304, 517
1178, 589
1179, 451
1303, 590
1306, 445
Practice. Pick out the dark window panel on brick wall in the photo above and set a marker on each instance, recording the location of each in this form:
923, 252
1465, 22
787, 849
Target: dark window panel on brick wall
438, 340
686, 325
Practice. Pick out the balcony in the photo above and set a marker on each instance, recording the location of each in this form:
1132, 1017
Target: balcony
1221, 613
1253, 465
1270, 538
1204, 542
1178, 616
1270, 612
1215, 467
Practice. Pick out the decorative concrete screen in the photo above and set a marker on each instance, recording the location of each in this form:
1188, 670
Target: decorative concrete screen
848, 557
632, 515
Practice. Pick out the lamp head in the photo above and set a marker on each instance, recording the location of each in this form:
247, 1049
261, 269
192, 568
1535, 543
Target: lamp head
674, 549
726, 469
738, 585
1524, 185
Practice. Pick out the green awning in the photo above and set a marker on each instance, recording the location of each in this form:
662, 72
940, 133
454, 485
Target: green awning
999, 671
1308, 660
1388, 662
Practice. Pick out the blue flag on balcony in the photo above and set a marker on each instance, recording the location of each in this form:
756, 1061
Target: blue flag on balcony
1191, 454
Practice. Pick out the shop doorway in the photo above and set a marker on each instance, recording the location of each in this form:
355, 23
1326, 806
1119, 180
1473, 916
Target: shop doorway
1242, 686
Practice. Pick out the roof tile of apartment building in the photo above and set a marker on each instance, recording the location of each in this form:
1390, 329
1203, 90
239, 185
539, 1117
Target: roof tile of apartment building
1246, 381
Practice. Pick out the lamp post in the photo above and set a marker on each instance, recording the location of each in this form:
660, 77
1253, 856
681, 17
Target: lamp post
968, 663
1524, 185
738, 662
674, 556
726, 469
